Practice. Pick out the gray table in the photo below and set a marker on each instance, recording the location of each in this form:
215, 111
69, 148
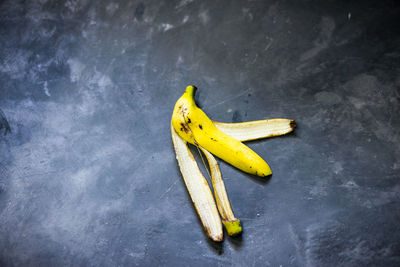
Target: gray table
88, 175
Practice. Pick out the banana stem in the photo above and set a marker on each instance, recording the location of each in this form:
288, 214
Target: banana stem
191, 90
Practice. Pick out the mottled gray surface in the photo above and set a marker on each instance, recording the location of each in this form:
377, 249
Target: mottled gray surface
88, 174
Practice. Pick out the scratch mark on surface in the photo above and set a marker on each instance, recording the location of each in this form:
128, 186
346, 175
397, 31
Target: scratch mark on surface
185, 19
270, 41
230, 98
166, 27
297, 243
168, 189
183, 3
255, 59
46, 89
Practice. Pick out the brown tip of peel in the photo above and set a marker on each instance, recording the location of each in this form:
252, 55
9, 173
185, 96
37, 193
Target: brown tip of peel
265, 174
292, 124
217, 238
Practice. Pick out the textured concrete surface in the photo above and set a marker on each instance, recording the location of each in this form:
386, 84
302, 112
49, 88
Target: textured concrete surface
88, 174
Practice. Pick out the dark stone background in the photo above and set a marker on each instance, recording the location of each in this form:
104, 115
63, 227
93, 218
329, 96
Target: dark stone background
88, 174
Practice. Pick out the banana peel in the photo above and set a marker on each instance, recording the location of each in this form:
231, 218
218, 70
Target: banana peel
231, 223
189, 124
198, 188
253, 130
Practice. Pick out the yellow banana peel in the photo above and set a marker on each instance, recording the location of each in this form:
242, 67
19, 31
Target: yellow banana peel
193, 126
224, 140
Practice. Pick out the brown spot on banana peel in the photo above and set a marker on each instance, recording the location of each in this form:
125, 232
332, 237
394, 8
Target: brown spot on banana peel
201, 127
184, 128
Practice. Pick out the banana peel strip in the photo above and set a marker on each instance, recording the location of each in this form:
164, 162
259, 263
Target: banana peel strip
198, 188
252, 130
231, 223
